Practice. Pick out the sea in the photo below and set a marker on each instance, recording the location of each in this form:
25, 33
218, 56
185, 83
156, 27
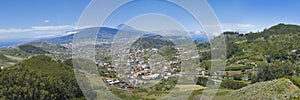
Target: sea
7, 44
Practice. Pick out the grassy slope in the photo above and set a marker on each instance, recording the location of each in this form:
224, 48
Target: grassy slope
277, 89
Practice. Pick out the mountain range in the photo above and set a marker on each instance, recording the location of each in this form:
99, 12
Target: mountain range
104, 34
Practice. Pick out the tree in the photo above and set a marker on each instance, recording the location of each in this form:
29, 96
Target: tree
276, 70
232, 84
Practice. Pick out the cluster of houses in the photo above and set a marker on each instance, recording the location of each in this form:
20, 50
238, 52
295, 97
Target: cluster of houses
141, 68
117, 82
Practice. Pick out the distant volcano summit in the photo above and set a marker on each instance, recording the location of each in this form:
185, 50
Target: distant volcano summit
124, 27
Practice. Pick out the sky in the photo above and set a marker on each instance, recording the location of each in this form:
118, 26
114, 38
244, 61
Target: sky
259, 14
32, 19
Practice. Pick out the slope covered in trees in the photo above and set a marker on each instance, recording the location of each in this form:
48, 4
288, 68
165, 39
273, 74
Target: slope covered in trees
262, 56
32, 49
39, 78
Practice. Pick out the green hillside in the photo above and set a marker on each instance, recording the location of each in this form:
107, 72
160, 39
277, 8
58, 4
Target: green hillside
261, 65
277, 89
39, 78
32, 49
49, 47
155, 41
261, 58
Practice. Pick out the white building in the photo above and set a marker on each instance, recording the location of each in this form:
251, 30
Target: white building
155, 49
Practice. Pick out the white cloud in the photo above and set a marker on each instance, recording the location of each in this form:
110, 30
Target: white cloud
238, 27
46, 21
198, 32
83, 27
46, 28
38, 28
72, 32
14, 30
37, 37
34, 32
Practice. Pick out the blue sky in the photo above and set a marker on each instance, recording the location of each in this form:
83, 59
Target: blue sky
28, 13
27, 20
30, 19
259, 13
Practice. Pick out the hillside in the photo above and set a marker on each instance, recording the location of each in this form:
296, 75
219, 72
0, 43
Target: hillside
32, 49
39, 78
11, 56
275, 45
151, 41
52, 48
260, 60
104, 33
277, 89
260, 65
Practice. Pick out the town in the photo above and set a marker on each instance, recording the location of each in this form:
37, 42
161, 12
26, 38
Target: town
146, 67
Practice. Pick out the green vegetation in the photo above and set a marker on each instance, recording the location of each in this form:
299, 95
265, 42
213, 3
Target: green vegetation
267, 55
203, 81
276, 89
273, 71
3, 58
261, 65
155, 41
258, 57
39, 78
168, 52
15, 52
48, 47
232, 84
32, 49
238, 68
295, 80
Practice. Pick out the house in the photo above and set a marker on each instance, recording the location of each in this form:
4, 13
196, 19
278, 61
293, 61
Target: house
110, 68
110, 82
154, 76
144, 65
130, 87
155, 49
169, 74
105, 64
173, 62
203, 73
247, 78
166, 77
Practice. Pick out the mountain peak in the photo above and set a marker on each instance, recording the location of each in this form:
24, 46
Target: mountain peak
124, 27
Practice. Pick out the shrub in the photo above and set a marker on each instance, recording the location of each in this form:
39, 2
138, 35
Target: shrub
232, 84
238, 68
273, 71
203, 81
238, 77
